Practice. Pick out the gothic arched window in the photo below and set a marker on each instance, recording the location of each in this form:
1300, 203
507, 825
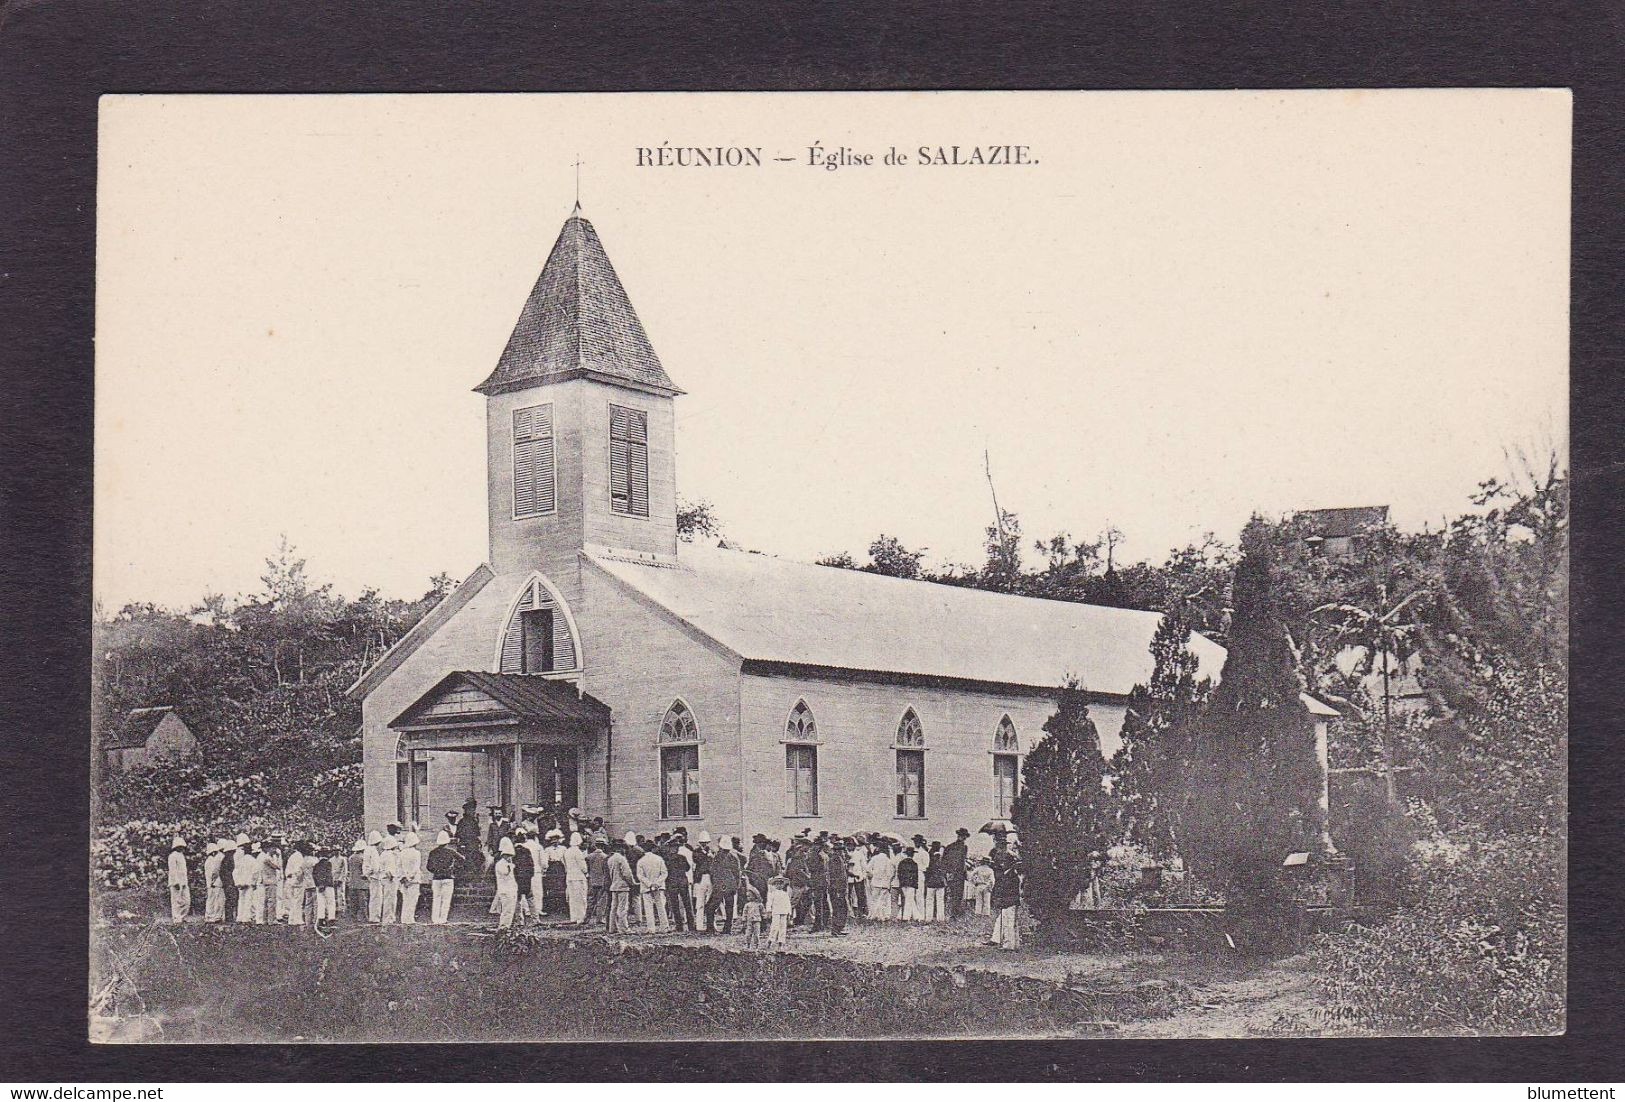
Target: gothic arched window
910, 766
801, 761
679, 763
1006, 768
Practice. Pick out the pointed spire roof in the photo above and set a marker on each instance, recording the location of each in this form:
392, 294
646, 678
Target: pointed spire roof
578, 323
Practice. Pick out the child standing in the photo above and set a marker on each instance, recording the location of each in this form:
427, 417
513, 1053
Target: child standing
778, 908
981, 880
753, 917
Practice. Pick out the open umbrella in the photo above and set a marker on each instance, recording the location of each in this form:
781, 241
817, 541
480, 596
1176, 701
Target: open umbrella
997, 826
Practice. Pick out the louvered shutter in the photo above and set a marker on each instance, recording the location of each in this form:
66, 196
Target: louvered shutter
513, 640
564, 647
637, 477
628, 461
533, 489
619, 497
637, 463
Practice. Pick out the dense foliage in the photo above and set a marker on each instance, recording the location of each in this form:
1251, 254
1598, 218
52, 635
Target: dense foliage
1157, 769
1064, 814
260, 680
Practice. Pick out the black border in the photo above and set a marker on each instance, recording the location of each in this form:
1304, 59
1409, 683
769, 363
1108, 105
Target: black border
57, 57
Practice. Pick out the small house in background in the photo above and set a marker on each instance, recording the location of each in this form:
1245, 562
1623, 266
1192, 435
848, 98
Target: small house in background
1340, 533
147, 736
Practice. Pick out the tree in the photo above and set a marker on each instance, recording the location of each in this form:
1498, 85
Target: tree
696, 519
1387, 633
1064, 813
1259, 799
1160, 758
888, 556
1002, 569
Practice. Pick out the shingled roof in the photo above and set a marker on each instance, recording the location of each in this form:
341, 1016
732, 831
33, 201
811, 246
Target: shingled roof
537, 699
578, 323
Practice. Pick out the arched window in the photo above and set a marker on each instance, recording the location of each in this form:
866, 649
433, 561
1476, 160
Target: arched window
910, 766
679, 763
801, 761
909, 730
1006, 768
537, 637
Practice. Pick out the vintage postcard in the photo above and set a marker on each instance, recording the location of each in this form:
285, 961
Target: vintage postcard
824, 565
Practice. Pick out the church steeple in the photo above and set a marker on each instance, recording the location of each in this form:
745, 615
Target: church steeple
578, 323
580, 426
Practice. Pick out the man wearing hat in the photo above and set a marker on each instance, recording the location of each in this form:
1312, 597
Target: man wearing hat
759, 865
651, 871
798, 871
498, 829
727, 872
228, 887
818, 880
700, 860
244, 868
838, 873
467, 834
180, 889
955, 860
575, 880
372, 870
409, 874
213, 898
442, 867
507, 897
679, 892
598, 882
622, 883
355, 879
389, 861
922, 858
527, 862
246, 873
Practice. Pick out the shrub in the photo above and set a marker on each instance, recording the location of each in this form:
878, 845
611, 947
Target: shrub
1064, 813
1484, 930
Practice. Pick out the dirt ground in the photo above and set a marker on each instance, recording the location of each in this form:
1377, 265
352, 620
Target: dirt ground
1198, 994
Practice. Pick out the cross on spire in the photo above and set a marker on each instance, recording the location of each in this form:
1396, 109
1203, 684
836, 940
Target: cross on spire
578, 184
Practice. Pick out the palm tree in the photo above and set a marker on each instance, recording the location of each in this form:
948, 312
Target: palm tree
1382, 635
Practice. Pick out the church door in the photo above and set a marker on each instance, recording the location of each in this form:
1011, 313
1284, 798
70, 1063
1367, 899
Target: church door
559, 779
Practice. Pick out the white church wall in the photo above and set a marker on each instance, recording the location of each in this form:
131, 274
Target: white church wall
857, 759
465, 642
639, 660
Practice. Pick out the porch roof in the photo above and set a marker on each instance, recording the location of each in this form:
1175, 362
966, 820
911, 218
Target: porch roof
474, 698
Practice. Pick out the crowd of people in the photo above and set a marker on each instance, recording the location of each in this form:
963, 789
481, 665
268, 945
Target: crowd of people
560, 863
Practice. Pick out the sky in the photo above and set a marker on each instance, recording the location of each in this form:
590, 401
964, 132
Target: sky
1193, 306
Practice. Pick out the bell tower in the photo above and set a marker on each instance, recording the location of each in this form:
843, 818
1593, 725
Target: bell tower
579, 423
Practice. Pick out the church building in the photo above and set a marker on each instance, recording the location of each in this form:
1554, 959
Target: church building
597, 660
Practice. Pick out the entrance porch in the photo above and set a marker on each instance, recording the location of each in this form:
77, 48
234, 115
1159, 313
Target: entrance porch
527, 736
